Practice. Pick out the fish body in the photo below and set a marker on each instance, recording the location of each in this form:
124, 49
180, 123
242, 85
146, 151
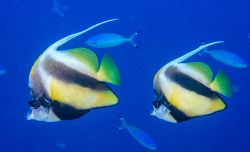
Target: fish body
139, 135
227, 58
65, 85
105, 40
187, 90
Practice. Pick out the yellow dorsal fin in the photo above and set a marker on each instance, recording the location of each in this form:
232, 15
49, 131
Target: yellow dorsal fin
108, 71
221, 84
85, 56
203, 68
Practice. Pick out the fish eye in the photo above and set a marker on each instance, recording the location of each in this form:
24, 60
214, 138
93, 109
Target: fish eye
156, 104
34, 104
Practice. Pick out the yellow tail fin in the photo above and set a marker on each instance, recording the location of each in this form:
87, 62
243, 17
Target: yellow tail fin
108, 71
221, 84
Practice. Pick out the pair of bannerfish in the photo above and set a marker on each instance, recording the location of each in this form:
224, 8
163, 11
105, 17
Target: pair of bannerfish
67, 84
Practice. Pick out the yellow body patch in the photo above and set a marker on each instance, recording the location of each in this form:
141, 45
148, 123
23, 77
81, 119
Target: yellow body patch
193, 104
80, 97
34, 67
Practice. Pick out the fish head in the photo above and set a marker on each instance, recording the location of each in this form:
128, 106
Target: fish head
39, 109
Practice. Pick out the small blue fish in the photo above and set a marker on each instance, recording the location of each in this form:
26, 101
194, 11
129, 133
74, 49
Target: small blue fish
2, 70
226, 57
105, 40
139, 135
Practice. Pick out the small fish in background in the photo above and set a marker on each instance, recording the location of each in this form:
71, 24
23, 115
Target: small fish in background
139, 135
106, 40
188, 90
2, 70
59, 8
236, 88
226, 57
16, 1
61, 145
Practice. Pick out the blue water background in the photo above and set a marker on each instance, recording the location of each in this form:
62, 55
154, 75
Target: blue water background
168, 29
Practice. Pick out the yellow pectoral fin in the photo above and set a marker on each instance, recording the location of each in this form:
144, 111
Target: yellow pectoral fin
80, 97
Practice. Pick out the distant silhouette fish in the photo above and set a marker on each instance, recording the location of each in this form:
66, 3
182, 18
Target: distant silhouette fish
236, 88
60, 145
227, 58
139, 135
105, 40
59, 8
2, 70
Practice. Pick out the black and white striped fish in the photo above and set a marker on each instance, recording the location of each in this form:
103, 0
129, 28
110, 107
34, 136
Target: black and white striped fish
186, 90
66, 84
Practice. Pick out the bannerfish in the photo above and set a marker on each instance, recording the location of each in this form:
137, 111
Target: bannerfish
2, 70
105, 40
67, 84
186, 90
226, 57
140, 136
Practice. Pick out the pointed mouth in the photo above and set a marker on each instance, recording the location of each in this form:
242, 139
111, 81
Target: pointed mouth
39, 110
159, 112
40, 114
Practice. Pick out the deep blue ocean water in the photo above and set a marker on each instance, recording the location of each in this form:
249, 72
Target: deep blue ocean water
168, 30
